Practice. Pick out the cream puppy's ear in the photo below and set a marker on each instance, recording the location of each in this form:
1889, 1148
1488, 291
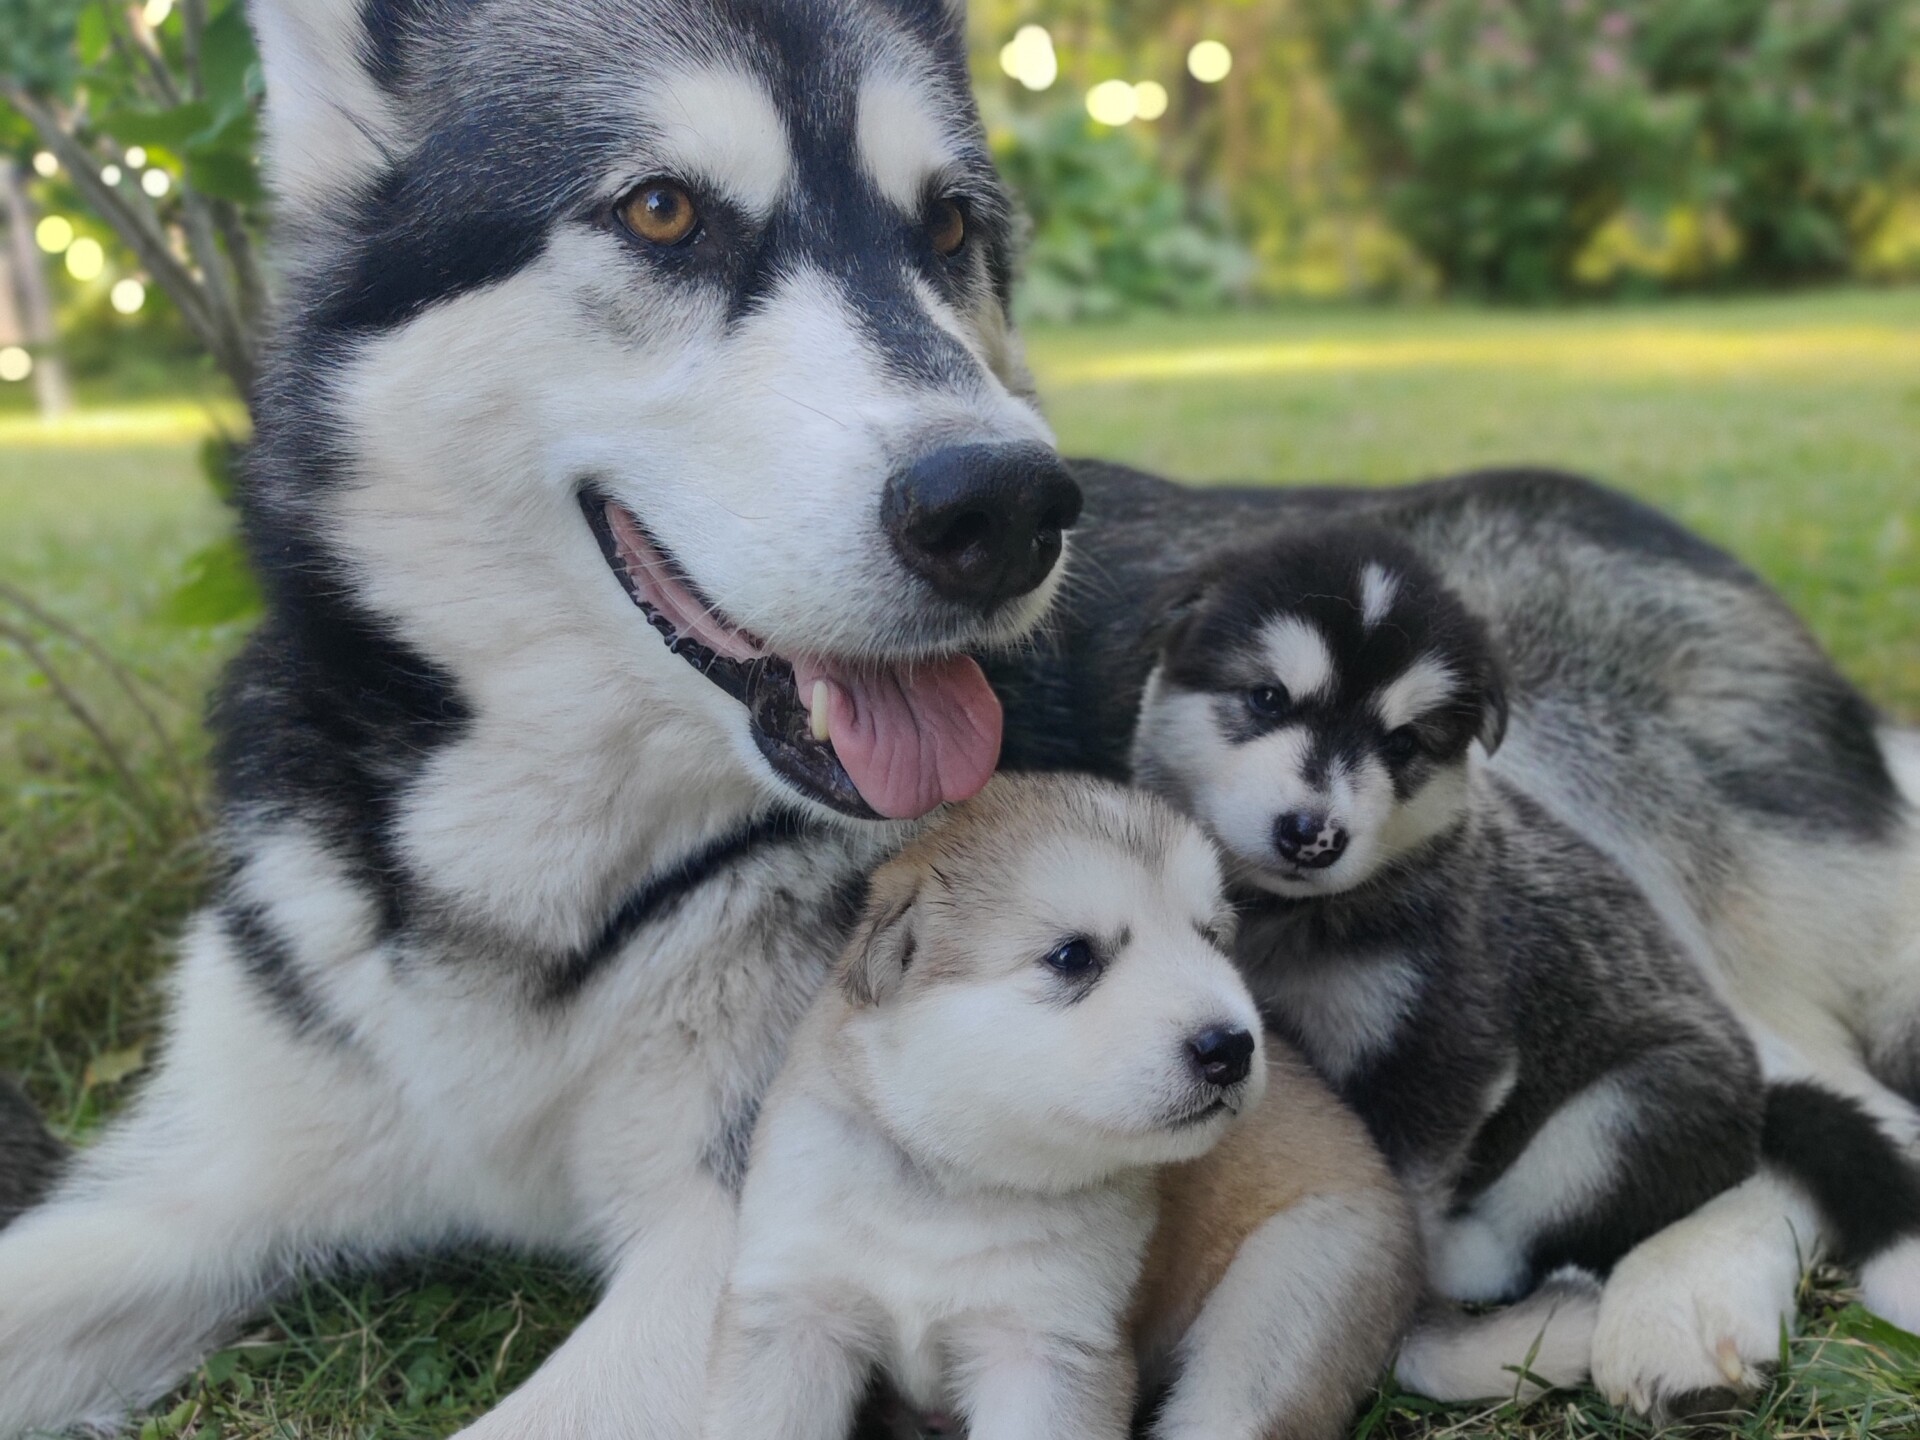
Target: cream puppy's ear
882, 948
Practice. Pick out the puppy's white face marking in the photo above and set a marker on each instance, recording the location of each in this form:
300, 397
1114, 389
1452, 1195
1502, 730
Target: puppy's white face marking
1298, 655
719, 126
1419, 688
1378, 588
992, 1064
903, 144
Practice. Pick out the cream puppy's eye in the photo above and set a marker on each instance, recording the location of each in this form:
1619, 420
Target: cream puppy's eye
1072, 958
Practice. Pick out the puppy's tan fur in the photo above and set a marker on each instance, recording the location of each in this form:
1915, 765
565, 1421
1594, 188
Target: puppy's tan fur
1097, 1242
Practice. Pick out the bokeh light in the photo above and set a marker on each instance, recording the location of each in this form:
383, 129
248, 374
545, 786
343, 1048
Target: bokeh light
156, 183
155, 12
137, 157
1112, 102
15, 364
53, 234
1029, 57
85, 259
1149, 99
46, 164
127, 296
110, 175
1209, 61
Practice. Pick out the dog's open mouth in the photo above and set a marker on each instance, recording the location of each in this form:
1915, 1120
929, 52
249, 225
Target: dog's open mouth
871, 740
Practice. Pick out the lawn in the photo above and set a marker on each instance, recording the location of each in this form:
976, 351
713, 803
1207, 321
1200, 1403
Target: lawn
1788, 430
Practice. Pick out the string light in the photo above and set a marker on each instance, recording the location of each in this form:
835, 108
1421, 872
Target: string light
1112, 102
85, 259
1029, 57
1209, 61
53, 234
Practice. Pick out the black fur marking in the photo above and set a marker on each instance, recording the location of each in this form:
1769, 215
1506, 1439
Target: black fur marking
30, 1157
726, 1157
660, 893
1866, 1189
388, 26
268, 962
418, 250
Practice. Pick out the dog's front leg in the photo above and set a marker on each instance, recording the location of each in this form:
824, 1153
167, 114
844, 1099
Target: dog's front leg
636, 1367
1018, 1387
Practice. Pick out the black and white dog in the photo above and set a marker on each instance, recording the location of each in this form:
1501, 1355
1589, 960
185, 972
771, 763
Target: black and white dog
1530, 1047
609, 317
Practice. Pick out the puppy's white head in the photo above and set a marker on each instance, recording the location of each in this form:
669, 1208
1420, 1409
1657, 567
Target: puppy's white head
1041, 997
1314, 707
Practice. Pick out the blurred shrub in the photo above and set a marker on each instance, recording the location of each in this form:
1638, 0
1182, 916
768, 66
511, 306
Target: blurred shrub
1504, 134
1807, 126
1111, 230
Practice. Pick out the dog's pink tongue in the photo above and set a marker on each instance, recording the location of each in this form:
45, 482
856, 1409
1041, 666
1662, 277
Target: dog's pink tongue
910, 736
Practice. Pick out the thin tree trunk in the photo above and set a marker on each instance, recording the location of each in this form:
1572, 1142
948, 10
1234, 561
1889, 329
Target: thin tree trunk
51, 391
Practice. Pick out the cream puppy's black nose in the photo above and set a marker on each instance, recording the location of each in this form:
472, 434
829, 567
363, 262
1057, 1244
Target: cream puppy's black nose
1222, 1056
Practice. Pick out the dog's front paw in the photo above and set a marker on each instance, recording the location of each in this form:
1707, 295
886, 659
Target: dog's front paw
1691, 1319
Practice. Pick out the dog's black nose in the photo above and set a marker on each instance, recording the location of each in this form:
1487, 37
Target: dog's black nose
981, 524
1307, 838
1222, 1056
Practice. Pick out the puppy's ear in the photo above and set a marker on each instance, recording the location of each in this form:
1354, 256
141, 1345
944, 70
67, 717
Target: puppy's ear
883, 944
1173, 611
1493, 708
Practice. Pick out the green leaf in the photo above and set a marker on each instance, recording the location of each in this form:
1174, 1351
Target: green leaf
226, 55
173, 128
220, 1366
224, 174
219, 589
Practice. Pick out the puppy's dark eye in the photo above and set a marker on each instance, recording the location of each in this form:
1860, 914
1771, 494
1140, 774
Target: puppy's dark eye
1073, 957
1401, 745
660, 212
1269, 702
946, 226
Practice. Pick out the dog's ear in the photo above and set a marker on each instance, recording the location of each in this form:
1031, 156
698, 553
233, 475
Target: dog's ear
1173, 612
883, 944
1493, 708
331, 125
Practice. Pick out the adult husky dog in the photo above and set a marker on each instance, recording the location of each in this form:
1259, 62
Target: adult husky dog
610, 317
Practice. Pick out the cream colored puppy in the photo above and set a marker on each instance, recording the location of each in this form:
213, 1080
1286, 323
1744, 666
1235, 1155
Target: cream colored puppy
993, 1165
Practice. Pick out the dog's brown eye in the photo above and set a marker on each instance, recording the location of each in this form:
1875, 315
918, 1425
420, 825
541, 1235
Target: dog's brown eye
660, 212
1402, 744
946, 226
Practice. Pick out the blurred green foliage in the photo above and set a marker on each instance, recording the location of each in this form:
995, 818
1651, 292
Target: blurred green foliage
1504, 135
1111, 230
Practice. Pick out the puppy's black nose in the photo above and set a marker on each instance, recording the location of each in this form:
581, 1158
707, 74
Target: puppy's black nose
1222, 1056
1307, 839
981, 524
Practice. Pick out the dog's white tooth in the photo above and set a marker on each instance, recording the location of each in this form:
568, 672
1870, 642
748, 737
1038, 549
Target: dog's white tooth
819, 705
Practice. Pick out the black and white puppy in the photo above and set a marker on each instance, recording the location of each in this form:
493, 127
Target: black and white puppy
1529, 1046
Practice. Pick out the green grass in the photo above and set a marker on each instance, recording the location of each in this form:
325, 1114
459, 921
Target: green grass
1788, 430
